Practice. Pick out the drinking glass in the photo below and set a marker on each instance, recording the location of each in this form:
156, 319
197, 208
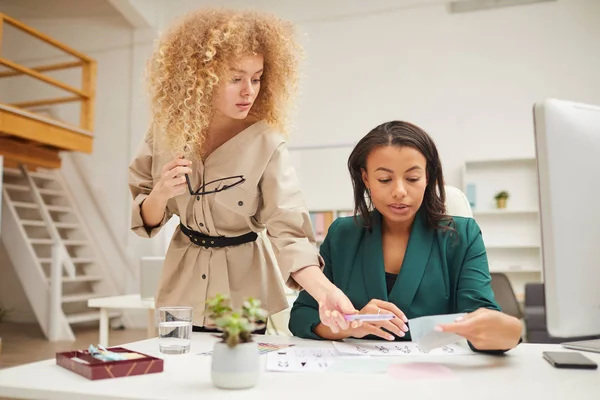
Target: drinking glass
174, 329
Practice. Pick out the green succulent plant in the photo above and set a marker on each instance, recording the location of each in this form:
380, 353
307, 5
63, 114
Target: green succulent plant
236, 326
502, 195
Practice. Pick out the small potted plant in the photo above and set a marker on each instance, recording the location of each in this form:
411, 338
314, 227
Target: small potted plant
501, 198
235, 359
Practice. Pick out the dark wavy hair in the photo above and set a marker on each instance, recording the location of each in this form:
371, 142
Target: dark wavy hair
402, 134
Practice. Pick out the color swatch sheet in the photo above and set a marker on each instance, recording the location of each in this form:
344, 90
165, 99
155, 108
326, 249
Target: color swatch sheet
263, 348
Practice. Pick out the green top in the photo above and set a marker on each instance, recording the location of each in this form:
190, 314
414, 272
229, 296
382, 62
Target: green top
442, 272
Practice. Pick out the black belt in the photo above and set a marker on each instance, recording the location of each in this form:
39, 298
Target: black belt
201, 239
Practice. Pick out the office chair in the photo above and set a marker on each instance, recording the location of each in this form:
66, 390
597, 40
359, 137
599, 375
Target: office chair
505, 295
457, 203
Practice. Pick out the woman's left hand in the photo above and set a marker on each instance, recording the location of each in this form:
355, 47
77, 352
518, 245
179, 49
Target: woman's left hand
332, 308
487, 329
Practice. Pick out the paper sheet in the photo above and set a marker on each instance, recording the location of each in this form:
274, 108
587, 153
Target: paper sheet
349, 356
422, 331
368, 348
301, 359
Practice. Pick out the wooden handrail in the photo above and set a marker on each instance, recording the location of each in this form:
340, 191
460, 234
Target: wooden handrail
42, 77
45, 38
85, 95
88, 82
46, 102
45, 68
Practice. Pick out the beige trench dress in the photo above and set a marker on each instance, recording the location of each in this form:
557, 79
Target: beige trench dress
269, 202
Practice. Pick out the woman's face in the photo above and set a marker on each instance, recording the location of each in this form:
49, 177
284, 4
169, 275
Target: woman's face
397, 178
238, 90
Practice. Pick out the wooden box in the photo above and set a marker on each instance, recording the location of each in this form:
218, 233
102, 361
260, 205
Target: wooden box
83, 363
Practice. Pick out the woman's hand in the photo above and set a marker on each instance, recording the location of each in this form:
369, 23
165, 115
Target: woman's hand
487, 329
332, 308
171, 184
333, 303
396, 325
172, 181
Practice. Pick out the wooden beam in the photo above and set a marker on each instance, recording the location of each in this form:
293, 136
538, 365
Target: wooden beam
88, 84
1, 26
29, 155
43, 78
44, 132
15, 164
44, 68
45, 102
45, 38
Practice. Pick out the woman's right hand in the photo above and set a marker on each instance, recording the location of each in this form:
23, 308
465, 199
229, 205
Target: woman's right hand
172, 181
396, 325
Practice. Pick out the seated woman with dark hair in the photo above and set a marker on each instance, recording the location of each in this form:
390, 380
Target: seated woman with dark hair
402, 254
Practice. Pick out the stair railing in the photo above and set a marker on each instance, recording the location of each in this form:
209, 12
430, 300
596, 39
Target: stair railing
60, 258
85, 95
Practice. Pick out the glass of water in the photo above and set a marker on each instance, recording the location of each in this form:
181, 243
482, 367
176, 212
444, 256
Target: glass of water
174, 328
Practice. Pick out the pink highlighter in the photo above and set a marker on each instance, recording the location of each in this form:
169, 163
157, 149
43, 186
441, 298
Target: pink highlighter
369, 317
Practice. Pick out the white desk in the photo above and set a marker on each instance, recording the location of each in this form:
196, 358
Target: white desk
131, 301
521, 374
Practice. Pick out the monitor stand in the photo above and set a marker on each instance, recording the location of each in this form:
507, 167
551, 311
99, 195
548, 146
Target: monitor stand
583, 345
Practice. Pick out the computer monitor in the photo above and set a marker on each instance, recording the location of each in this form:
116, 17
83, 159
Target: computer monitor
567, 142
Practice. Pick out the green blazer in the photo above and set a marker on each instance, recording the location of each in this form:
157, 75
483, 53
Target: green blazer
442, 273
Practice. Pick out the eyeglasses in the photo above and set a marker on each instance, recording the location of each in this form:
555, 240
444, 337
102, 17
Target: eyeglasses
237, 179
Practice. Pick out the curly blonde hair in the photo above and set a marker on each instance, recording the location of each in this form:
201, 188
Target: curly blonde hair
196, 53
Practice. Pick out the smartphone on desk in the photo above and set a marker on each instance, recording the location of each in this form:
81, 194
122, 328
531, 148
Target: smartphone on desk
569, 359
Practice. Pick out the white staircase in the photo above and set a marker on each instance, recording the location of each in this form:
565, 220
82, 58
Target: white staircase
52, 251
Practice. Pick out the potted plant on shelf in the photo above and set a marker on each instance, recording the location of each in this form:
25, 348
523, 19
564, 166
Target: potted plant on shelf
501, 198
235, 359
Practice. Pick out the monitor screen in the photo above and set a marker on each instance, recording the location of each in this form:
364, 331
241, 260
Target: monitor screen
567, 141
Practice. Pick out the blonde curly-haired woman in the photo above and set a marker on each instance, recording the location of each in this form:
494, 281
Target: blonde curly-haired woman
220, 82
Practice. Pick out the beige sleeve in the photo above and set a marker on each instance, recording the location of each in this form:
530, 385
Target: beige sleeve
286, 217
140, 186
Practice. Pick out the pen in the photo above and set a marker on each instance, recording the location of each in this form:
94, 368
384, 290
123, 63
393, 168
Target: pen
369, 317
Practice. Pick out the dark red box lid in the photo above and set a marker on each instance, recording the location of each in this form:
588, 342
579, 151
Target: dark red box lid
97, 369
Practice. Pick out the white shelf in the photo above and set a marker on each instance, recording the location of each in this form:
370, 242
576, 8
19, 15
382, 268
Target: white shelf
503, 212
511, 246
516, 271
512, 234
498, 162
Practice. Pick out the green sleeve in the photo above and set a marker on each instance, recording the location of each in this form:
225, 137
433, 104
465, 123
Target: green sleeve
474, 282
474, 289
304, 316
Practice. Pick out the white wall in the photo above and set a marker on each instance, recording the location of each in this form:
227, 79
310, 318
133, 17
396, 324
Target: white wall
469, 79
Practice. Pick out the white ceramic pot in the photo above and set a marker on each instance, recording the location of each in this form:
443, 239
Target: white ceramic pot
237, 367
